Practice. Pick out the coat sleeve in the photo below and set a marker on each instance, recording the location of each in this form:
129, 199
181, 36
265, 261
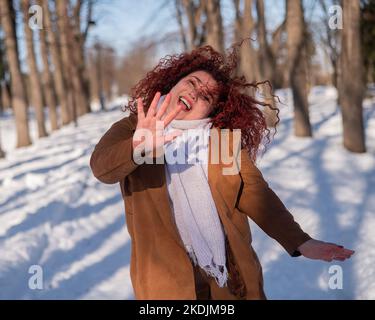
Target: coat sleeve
263, 206
112, 158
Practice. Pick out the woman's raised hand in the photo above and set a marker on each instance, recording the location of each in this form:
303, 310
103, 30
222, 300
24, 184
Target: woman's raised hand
149, 134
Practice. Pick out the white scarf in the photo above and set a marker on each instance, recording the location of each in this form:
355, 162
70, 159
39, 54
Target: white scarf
191, 200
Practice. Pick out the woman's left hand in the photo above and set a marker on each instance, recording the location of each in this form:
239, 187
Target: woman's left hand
315, 249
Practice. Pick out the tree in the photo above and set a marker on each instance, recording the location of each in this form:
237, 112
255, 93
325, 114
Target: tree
266, 58
35, 86
368, 36
215, 35
108, 68
244, 25
53, 43
134, 65
194, 11
297, 67
351, 81
47, 81
66, 49
267, 64
178, 7
204, 20
4, 79
330, 37
77, 39
18, 90
99, 78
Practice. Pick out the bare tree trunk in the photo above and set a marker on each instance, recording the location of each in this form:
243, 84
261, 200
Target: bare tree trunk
108, 71
249, 61
99, 78
35, 86
215, 35
237, 21
267, 61
18, 91
78, 39
92, 75
197, 28
190, 13
70, 77
238, 32
48, 85
5, 95
351, 82
278, 48
180, 24
267, 65
53, 42
297, 75
331, 39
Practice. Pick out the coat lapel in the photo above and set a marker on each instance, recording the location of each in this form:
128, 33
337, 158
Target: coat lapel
224, 187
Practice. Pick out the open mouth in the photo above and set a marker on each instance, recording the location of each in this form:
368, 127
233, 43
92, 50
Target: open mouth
186, 103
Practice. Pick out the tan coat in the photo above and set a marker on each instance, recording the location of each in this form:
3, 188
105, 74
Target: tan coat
160, 267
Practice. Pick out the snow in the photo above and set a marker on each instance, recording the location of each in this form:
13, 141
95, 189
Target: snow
55, 214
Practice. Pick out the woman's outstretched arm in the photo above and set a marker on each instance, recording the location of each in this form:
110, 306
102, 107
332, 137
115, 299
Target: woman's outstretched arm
261, 204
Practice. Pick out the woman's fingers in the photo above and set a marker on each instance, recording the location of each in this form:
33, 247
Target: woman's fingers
340, 257
340, 253
154, 103
141, 114
171, 115
348, 251
341, 247
164, 106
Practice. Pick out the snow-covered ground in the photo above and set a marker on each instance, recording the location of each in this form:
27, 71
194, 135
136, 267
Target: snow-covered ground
55, 214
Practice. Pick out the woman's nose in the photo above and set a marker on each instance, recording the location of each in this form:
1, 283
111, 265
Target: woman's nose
193, 95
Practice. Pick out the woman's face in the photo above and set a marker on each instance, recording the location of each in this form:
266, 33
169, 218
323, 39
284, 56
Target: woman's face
195, 94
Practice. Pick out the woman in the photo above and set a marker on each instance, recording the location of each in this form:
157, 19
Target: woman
188, 221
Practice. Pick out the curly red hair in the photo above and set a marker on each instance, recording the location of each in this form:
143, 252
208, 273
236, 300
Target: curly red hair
235, 107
